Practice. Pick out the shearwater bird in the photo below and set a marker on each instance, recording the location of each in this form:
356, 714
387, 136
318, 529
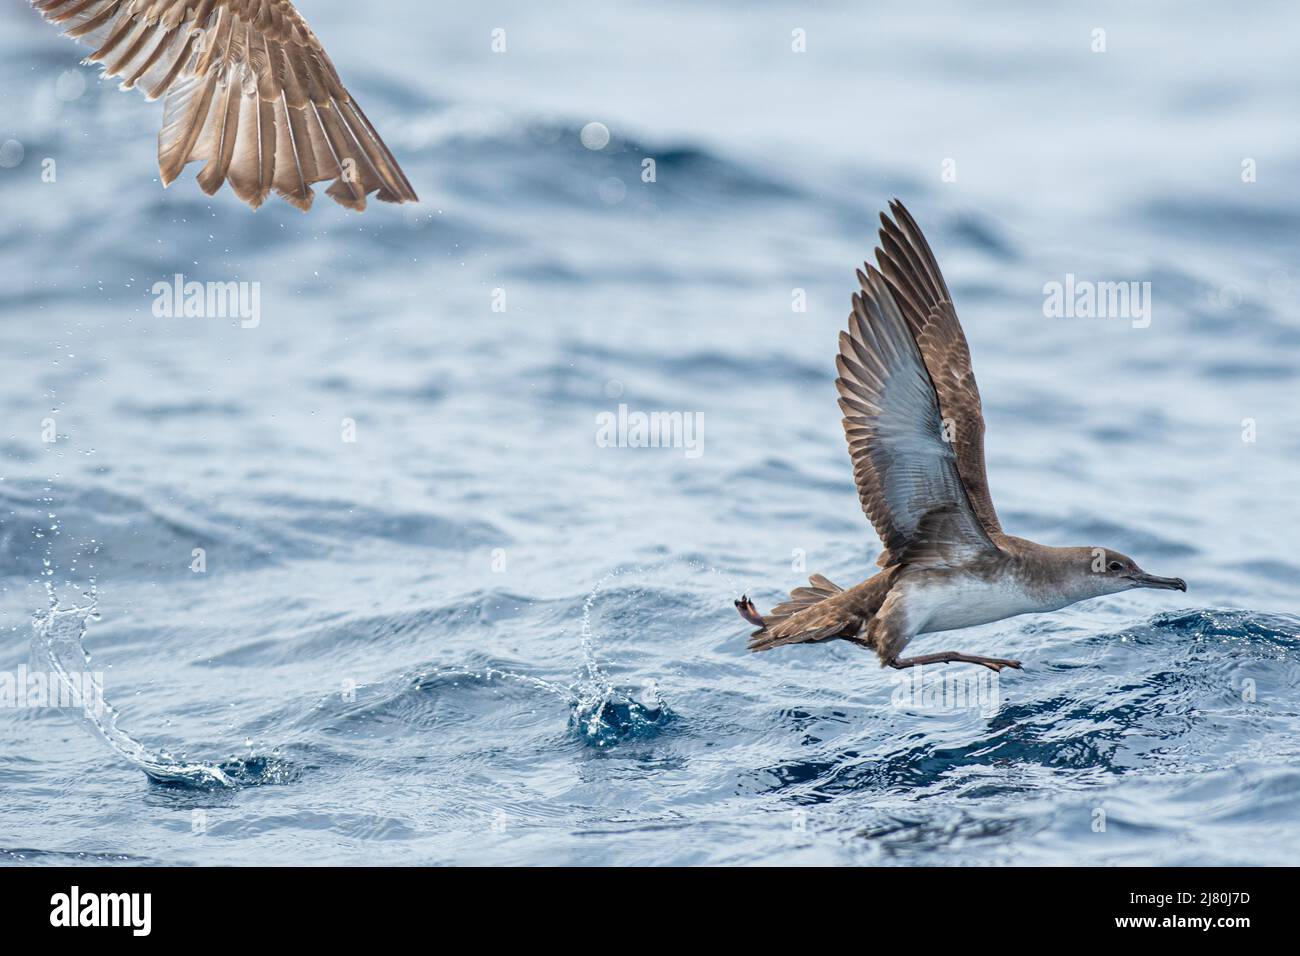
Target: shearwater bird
249, 92
915, 430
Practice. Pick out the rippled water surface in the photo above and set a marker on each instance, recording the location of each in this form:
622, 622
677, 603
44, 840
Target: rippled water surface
475, 635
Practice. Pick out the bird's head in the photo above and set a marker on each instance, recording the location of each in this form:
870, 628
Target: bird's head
1109, 572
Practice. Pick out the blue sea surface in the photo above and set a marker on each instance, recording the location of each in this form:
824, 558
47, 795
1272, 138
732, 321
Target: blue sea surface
477, 634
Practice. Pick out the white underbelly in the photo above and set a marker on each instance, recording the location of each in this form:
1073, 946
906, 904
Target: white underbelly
958, 600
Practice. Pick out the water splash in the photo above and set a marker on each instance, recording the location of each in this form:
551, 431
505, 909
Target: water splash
604, 713
601, 712
609, 715
58, 650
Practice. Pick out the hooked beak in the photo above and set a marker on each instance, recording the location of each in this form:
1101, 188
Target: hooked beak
1145, 580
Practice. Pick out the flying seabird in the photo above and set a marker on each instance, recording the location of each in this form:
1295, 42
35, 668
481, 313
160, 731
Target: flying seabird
249, 91
915, 430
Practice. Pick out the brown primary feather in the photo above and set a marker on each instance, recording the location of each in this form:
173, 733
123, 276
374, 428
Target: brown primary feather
249, 92
902, 466
909, 266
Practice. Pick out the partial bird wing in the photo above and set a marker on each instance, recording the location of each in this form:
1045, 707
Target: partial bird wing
249, 91
906, 472
908, 265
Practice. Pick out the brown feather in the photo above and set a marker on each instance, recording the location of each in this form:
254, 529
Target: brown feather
397, 187
245, 167
165, 40
192, 104
350, 187
94, 23
168, 79
289, 180
299, 127
823, 612
912, 272
902, 466
223, 132
137, 32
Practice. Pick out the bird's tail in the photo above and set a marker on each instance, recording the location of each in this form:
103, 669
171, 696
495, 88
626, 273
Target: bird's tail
807, 616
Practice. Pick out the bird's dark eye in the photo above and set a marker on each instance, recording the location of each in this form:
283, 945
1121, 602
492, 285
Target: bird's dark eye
1115, 566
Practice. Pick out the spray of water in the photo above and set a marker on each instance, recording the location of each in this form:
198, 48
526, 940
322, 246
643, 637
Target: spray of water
601, 712
604, 713
58, 650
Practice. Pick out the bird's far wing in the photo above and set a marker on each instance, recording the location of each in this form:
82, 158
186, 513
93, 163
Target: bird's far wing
908, 265
903, 467
249, 91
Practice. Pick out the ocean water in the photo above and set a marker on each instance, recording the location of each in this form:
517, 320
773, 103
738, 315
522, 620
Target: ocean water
476, 634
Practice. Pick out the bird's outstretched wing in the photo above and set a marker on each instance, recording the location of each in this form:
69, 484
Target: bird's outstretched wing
908, 265
905, 471
249, 92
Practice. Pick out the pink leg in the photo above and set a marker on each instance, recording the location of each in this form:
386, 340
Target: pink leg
953, 657
750, 613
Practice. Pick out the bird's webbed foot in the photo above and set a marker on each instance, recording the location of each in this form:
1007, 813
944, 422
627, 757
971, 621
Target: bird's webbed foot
750, 613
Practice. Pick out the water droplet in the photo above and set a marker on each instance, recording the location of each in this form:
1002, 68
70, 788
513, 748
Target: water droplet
11, 153
611, 191
595, 136
70, 85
